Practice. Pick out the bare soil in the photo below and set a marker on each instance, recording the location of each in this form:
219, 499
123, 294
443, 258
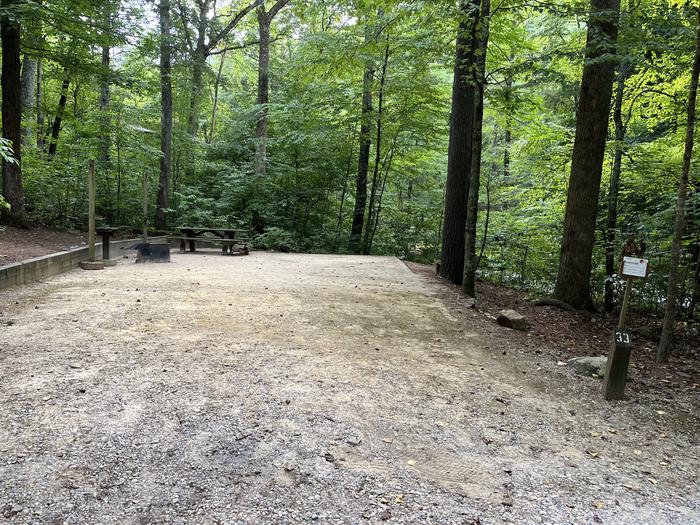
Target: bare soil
17, 244
281, 388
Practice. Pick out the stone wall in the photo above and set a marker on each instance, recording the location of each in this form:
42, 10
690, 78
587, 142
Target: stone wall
32, 270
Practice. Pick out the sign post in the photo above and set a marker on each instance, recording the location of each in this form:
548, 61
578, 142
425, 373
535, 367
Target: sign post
145, 207
621, 347
91, 263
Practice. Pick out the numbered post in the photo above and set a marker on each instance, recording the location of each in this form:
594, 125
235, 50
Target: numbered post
621, 348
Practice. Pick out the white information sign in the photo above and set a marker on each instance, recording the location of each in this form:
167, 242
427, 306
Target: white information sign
635, 267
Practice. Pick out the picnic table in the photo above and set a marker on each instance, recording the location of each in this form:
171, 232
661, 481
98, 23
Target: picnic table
232, 240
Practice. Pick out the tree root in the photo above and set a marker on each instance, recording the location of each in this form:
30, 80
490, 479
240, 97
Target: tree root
548, 301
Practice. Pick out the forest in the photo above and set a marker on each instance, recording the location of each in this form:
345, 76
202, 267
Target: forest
527, 143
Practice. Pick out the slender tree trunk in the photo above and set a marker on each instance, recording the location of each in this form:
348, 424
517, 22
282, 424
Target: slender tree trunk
166, 119
199, 64
696, 282
666, 344
56, 127
492, 173
508, 131
470, 257
342, 200
215, 105
263, 92
264, 22
12, 113
39, 105
573, 284
387, 168
358, 218
460, 147
29, 67
378, 153
105, 144
614, 191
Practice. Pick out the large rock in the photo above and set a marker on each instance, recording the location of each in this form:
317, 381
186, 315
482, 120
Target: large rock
512, 319
587, 366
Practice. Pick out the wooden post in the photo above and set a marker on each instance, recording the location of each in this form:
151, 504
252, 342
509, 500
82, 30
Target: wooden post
621, 346
619, 357
91, 263
145, 207
91, 211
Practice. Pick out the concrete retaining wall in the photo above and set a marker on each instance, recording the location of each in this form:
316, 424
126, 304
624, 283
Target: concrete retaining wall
32, 270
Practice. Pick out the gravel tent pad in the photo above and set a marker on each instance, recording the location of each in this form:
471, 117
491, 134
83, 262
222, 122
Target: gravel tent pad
284, 388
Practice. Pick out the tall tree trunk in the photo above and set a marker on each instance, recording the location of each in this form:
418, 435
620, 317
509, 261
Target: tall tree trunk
470, 258
29, 67
193, 117
696, 282
611, 223
105, 144
56, 127
573, 280
460, 147
263, 92
358, 217
666, 344
380, 197
342, 199
366, 244
508, 128
215, 105
199, 65
39, 105
12, 112
166, 119
264, 22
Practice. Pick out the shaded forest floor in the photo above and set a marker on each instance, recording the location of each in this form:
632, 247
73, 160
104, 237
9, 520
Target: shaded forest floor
17, 244
557, 335
286, 388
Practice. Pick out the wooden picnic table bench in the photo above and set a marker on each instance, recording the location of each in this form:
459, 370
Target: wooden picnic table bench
232, 240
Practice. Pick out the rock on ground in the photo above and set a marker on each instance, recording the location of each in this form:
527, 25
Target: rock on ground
512, 319
588, 366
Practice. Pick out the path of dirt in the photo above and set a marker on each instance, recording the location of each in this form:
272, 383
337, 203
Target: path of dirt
17, 244
281, 388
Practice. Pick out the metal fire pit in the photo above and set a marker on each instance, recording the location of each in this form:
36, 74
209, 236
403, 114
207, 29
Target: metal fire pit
158, 252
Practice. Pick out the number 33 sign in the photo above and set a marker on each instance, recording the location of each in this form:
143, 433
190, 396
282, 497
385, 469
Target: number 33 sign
623, 339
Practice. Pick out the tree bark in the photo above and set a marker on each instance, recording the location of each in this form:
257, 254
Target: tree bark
663, 352
264, 22
199, 51
460, 147
56, 127
508, 138
215, 105
696, 283
12, 113
366, 244
39, 105
105, 144
28, 81
358, 217
573, 280
166, 119
611, 223
263, 92
470, 258
342, 199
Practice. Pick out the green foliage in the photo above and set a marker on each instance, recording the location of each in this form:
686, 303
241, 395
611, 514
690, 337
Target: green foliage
318, 57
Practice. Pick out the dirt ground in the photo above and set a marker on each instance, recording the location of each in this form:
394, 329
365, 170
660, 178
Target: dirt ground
294, 389
17, 244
